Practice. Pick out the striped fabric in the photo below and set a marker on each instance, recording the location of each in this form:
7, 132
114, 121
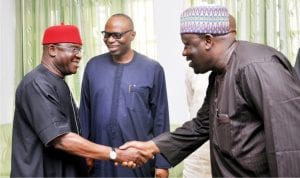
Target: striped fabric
206, 19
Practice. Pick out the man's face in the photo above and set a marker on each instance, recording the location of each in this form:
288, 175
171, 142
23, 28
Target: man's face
118, 35
67, 58
194, 51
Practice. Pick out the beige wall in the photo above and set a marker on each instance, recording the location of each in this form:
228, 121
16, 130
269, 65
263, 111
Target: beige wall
7, 57
169, 48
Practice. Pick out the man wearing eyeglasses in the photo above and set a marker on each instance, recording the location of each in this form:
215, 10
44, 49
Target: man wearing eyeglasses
124, 98
46, 129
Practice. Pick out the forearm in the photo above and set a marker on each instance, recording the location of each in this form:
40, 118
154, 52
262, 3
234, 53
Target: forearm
77, 145
177, 145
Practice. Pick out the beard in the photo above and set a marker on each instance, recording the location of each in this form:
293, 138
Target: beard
199, 69
194, 67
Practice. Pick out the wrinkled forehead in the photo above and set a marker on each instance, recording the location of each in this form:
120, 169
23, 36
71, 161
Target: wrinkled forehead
189, 38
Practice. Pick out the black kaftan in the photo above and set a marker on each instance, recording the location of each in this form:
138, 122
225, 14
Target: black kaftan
251, 116
44, 110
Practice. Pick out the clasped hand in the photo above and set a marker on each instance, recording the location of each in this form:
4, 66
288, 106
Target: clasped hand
134, 153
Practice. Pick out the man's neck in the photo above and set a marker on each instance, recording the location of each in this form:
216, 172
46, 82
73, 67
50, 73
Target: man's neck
124, 59
225, 57
52, 68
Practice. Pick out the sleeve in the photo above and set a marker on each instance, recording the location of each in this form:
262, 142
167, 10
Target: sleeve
199, 84
273, 92
177, 145
297, 64
159, 110
45, 115
84, 108
188, 87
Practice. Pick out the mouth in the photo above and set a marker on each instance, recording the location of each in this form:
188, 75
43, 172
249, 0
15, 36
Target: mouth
76, 62
189, 59
112, 48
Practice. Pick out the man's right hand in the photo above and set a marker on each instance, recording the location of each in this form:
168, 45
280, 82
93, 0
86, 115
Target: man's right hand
137, 153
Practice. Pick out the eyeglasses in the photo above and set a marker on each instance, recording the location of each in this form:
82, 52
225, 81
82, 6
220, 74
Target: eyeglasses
73, 49
115, 35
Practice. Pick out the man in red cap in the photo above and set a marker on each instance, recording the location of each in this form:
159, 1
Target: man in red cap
46, 130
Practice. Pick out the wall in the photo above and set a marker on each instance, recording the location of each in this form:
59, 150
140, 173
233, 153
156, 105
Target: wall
7, 56
169, 49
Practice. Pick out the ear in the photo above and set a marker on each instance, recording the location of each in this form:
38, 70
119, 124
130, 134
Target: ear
52, 50
208, 41
132, 35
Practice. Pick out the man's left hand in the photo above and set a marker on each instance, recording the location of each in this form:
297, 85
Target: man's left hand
161, 173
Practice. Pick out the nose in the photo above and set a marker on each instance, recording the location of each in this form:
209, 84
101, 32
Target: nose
184, 52
79, 55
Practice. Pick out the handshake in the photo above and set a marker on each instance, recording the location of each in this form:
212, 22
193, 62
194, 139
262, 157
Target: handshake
135, 153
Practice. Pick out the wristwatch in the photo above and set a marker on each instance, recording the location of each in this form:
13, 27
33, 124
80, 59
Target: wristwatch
112, 154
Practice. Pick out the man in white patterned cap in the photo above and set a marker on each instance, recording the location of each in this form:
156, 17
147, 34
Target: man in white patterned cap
251, 109
197, 164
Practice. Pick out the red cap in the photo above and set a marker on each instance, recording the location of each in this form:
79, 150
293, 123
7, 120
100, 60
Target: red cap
62, 34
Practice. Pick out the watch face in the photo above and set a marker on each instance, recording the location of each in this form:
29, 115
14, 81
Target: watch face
112, 155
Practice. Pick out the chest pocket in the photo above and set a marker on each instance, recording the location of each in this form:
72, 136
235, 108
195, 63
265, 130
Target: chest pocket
222, 133
138, 98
